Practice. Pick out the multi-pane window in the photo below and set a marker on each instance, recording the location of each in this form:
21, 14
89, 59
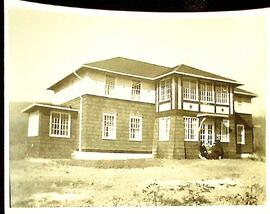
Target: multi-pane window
109, 85
136, 90
165, 90
191, 128
60, 124
207, 92
222, 94
109, 126
164, 128
33, 124
240, 134
135, 128
225, 127
190, 89
207, 134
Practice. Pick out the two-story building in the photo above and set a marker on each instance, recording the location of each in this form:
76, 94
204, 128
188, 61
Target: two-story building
121, 105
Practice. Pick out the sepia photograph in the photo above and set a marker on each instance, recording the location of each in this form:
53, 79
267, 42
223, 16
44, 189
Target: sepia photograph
134, 109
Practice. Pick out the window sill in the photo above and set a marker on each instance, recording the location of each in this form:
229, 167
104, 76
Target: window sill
59, 136
185, 99
135, 140
225, 141
108, 138
191, 140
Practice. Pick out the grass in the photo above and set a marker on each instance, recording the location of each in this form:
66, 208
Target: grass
144, 182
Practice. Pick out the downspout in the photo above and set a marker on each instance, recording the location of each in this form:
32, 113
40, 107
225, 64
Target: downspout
80, 117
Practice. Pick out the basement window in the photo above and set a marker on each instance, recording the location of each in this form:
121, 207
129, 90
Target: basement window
135, 128
60, 124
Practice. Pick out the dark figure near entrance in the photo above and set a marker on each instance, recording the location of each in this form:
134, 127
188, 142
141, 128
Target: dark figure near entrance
203, 153
216, 151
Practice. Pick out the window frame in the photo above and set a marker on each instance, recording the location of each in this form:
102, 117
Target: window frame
205, 91
113, 137
186, 128
33, 123
134, 89
243, 136
216, 94
69, 124
227, 140
189, 80
161, 135
140, 128
167, 88
109, 88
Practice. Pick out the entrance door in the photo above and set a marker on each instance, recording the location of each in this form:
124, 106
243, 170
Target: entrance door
208, 133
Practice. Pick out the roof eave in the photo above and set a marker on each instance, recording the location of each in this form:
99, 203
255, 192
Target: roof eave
27, 109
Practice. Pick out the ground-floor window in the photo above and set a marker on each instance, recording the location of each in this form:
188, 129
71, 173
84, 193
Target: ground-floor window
191, 128
164, 128
240, 134
207, 133
33, 124
225, 127
135, 128
59, 124
109, 126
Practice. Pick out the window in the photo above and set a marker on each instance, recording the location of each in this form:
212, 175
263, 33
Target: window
33, 124
135, 128
59, 124
190, 89
207, 92
136, 90
191, 128
109, 126
222, 94
225, 127
164, 128
109, 85
165, 90
240, 134
207, 133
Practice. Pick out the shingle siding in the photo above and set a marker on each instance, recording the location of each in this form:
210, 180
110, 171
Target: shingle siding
92, 118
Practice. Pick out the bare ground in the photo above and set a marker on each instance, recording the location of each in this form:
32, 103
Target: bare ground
146, 182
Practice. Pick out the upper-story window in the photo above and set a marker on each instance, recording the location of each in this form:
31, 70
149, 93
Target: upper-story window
190, 89
136, 90
165, 90
109, 85
206, 92
222, 94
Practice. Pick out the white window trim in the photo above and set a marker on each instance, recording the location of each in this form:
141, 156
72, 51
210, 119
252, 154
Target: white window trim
69, 125
167, 99
140, 130
114, 127
161, 136
138, 99
213, 92
196, 131
243, 136
197, 90
228, 95
228, 136
30, 133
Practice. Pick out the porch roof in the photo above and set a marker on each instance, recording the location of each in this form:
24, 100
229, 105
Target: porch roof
35, 105
212, 115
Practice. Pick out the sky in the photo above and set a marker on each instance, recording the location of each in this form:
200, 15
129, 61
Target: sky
45, 43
